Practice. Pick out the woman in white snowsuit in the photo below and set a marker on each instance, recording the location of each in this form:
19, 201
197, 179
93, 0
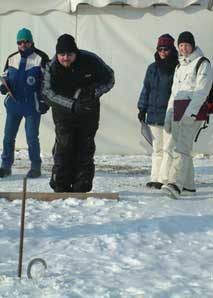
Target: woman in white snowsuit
189, 92
154, 98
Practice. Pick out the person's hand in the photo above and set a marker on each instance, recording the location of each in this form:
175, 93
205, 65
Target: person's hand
81, 108
43, 107
3, 89
86, 101
141, 116
87, 93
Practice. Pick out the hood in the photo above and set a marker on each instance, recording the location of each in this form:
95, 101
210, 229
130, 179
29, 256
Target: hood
194, 55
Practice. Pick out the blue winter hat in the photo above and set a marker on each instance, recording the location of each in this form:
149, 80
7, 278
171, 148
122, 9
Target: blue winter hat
24, 34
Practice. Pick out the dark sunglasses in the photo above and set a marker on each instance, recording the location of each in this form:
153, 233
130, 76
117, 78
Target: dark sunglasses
64, 54
22, 42
163, 49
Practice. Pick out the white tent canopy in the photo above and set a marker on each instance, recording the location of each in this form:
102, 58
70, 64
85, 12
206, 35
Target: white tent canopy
43, 6
124, 36
141, 3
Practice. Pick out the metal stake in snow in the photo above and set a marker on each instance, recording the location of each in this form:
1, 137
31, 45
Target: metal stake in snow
22, 227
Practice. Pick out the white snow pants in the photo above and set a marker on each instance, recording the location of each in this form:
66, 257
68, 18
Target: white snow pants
157, 153
177, 164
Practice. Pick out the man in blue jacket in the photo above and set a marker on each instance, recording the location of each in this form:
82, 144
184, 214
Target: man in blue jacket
23, 76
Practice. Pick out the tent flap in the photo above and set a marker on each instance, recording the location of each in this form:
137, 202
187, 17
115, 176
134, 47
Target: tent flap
42, 6
141, 3
34, 7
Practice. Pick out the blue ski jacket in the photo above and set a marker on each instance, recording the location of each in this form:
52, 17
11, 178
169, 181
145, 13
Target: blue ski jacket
23, 75
155, 94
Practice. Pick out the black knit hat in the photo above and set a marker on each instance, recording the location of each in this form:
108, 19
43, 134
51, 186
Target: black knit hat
66, 44
187, 37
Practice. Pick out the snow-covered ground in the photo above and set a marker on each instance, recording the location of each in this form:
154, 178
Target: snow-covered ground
143, 246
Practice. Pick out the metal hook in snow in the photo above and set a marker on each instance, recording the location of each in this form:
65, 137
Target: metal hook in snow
33, 262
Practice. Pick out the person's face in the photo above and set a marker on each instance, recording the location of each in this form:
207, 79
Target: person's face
23, 45
164, 52
66, 59
185, 49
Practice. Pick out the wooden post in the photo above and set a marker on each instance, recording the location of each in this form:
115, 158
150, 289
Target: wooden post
51, 196
22, 227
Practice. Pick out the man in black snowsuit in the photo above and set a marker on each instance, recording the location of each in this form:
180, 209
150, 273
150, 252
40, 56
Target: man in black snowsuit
73, 82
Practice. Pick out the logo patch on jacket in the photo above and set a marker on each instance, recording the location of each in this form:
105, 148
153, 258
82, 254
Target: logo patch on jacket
31, 80
88, 75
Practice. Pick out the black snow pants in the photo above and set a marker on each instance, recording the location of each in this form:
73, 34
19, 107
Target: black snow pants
73, 152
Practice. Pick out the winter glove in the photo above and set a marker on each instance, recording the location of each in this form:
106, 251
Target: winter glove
168, 121
87, 92
3, 89
141, 116
43, 107
86, 102
80, 108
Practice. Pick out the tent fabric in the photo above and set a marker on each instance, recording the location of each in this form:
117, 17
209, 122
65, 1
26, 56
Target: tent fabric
34, 7
125, 38
43, 6
140, 3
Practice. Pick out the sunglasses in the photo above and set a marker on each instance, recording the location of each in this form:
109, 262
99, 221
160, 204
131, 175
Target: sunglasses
163, 49
22, 42
64, 54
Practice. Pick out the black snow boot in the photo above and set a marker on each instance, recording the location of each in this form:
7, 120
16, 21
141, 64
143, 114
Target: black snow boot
156, 185
5, 172
34, 173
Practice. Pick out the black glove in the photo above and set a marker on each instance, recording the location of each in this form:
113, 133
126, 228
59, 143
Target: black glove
80, 108
3, 89
87, 93
43, 107
86, 102
141, 116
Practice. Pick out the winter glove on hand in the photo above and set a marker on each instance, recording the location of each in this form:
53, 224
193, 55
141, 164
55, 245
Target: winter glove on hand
85, 102
43, 107
168, 121
141, 116
3, 90
80, 108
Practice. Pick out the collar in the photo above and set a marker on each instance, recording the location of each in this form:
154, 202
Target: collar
27, 52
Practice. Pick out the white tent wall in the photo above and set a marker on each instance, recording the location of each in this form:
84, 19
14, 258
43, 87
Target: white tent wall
125, 37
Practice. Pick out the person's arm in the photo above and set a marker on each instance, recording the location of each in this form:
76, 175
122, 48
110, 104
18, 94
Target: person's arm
50, 97
170, 108
144, 95
4, 87
104, 76
201, 91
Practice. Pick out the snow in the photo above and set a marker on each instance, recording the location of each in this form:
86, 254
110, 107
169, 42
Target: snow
144, 246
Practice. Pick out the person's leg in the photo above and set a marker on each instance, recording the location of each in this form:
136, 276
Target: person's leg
64, 160
157, 154
85, 170
182, 164
189, 183
168, 147
32, 124
11, 128
64, 152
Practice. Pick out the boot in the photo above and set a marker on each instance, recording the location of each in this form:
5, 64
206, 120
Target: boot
156, 185
34, 173
5, 172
